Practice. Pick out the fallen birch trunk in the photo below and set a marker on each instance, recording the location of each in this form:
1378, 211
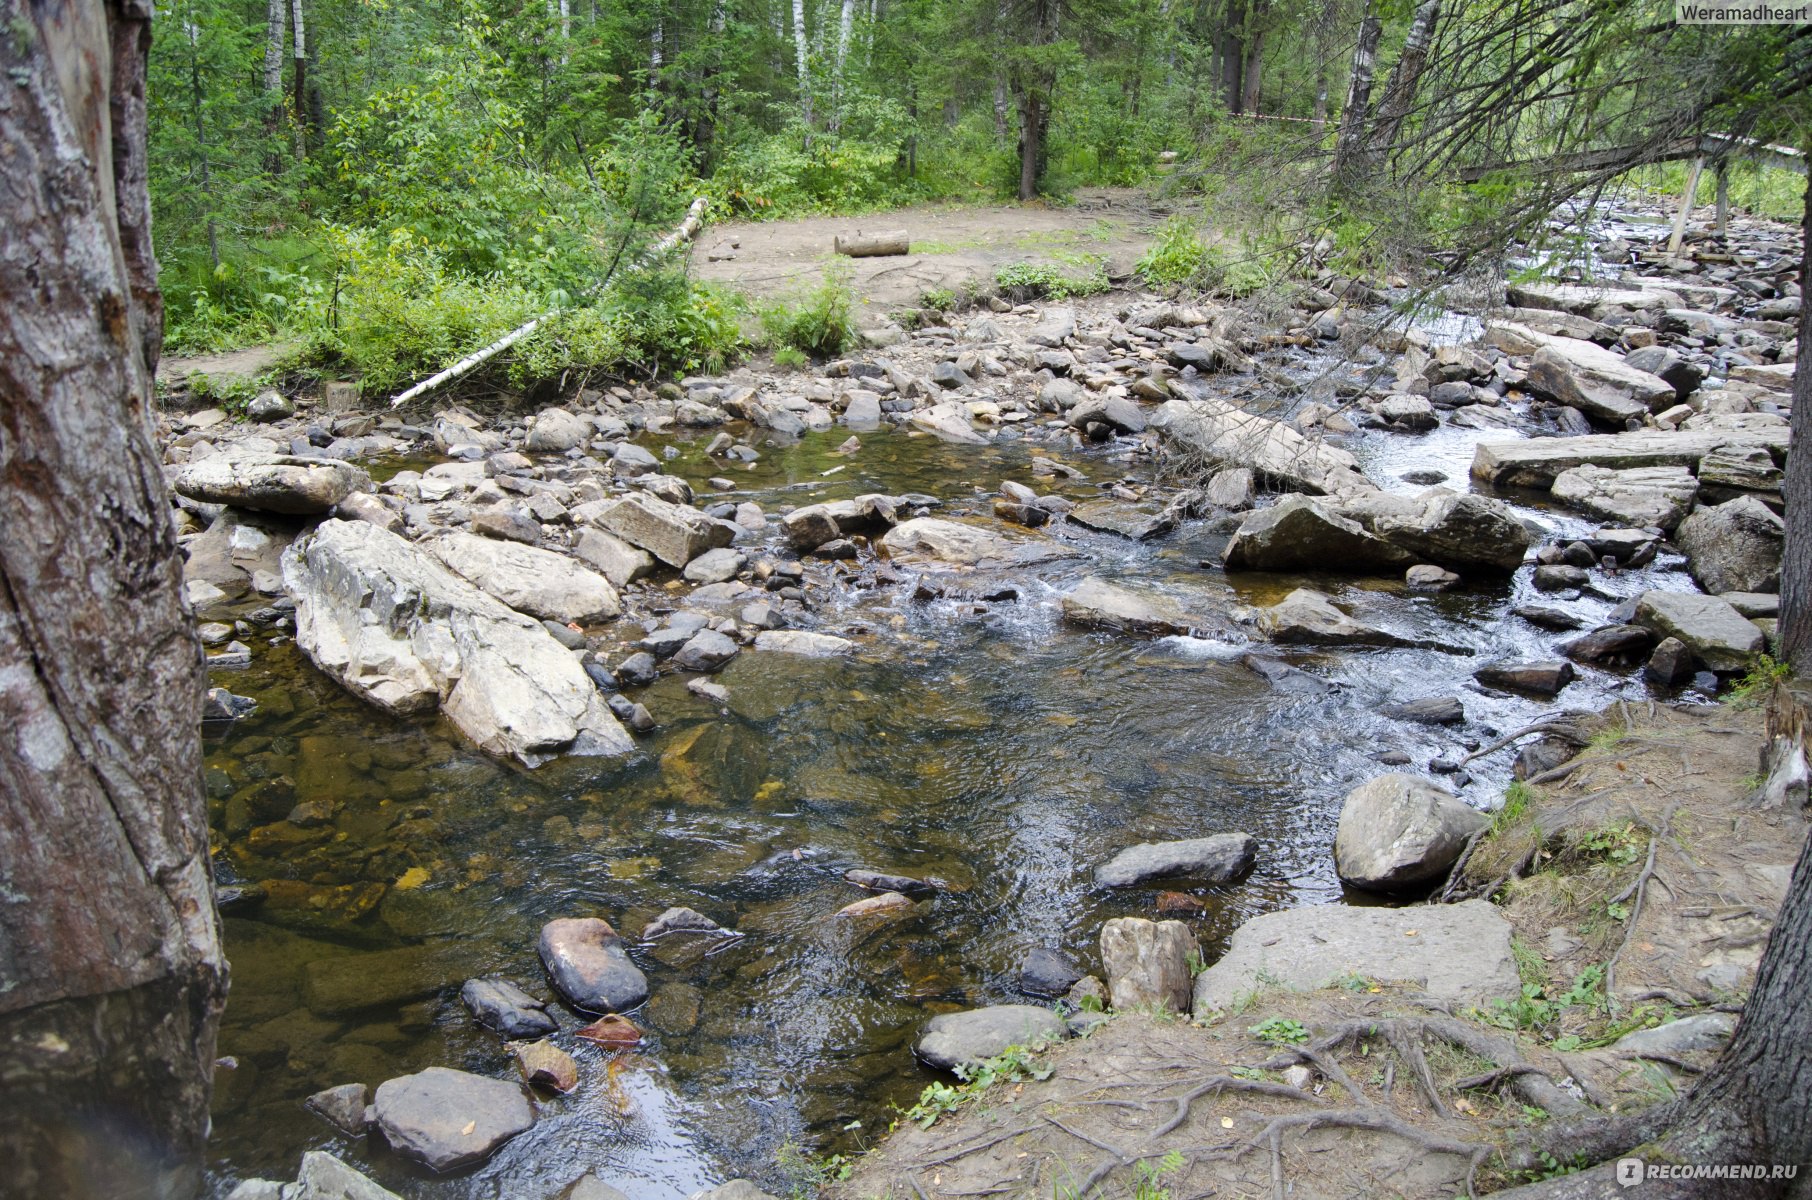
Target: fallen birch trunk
873, 245
682, 233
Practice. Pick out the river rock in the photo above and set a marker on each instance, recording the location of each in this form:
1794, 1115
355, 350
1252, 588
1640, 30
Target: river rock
589, 1187
1455, 952
802, 642
682, 920
1048, 973
949, 421
1307, 617
555, 431
446, 1119
1430, 710
1447, 528
615, 558
736, 1189
715, 566
1536, 462
539, 582
674, 533
1594, 380
1221, 858
1119, 414
544, 1064
1542, 678
324, 1177
1610, 644
504, 1008
707, 650
1230, 488
1147, 963
1100, 604
962, 1037
962, 544
1639, 496
1209, 429
1688, 1035
587, 963
277, 483
1734, 547
1399, 832
1300, 533
401, 631
342, 1107
1717, 634
1671, 664
1115, 516
1056, 327
1741, 468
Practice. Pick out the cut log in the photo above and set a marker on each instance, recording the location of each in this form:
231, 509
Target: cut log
873, 245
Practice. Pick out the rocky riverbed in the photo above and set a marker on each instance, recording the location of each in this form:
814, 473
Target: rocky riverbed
833, 702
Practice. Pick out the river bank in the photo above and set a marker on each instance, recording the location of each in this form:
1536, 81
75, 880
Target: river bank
946, 610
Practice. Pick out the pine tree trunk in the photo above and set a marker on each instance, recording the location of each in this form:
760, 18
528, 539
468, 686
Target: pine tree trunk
1254, 71
111, 974
1796, 562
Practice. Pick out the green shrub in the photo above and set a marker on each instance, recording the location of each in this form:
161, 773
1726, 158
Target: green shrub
1026, 281
1178, 256
821, 323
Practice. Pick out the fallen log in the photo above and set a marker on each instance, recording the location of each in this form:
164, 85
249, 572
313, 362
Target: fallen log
873, 245
682, 233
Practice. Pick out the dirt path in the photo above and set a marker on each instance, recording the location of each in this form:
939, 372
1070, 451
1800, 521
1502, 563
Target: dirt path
952, 246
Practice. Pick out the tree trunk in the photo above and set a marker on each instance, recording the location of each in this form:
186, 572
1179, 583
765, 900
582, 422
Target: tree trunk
273, 54
1031, 150
801, 55
1400, 92
845, 26
1349, 142
201, 139
1796, 561
1233, 57
109, 941
299, 54
1254, 70
1320, 115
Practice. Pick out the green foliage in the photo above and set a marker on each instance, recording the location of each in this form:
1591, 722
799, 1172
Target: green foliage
1148, 1176
810, 1174
1012, 1065
1536, 1011
1758, 681
1178, 255
941, 299
1620, 845
821, 323
1280, 1031
1021, 282
1517, 798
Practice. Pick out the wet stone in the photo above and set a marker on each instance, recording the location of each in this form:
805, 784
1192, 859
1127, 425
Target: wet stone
588, 965
504, 1008
1218, 859
446, 1119
1540, 678
955, 1038
343, 1107
1047, 972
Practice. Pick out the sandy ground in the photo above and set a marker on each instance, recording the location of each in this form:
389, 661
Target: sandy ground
951, 245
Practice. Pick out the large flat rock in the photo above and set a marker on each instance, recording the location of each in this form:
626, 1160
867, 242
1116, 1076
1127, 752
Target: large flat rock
1100, 604
445, 1119
1636, 497
1457, 952
1220, 435
962, 544
531, 580
277, 483
404, 633
1718, 635
674, 533
955, 1038
1535, 462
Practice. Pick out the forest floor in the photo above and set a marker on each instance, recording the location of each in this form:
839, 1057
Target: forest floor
1649, 862
952, 245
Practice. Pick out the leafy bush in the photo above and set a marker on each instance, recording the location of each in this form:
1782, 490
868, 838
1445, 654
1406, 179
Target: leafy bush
1178, 255
1025, 281
821, 323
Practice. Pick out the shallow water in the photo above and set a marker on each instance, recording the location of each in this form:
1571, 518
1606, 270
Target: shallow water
989, 746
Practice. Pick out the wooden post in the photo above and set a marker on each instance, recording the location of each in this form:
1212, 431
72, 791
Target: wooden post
1723, 197
1692, 189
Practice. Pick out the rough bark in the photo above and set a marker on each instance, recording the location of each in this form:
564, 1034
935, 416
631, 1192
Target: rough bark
1350, 140
801, 57
1253, 71
873, 245
1796, 561
273, 52
1405, 77
111, 974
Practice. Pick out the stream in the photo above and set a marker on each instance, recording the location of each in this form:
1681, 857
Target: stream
987, 745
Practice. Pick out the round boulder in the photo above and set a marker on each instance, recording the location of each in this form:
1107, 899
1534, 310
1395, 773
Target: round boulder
1399, 832
588, 965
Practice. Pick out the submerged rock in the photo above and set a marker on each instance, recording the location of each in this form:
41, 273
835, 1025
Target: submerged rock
343, 1107
962, 1037
446, 1119
504, 1008
1218, 859
1399, 832
401, 631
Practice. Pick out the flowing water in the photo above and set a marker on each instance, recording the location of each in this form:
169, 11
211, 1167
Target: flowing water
987, 745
